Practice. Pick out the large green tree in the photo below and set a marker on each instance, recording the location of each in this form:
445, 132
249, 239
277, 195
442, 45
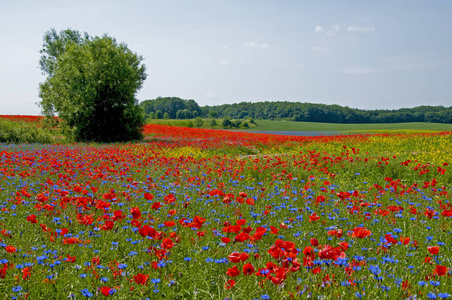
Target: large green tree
91, 86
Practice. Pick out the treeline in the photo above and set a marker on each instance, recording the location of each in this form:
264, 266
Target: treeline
177, 108
171, 108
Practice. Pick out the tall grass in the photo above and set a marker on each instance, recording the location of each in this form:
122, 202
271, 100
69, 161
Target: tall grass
23, 132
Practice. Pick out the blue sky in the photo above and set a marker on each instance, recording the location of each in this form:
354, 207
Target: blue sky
361, 54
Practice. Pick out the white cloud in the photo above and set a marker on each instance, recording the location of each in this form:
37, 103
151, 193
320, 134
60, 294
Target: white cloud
222, 62
320, 49
256, 45
360, 29
210, 95
250, 45
332, 32
360, 71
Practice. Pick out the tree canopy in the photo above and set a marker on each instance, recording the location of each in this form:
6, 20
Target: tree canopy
91, 86
297, 111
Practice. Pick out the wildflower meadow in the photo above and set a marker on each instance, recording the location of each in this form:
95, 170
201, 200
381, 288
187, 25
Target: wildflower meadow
207, 214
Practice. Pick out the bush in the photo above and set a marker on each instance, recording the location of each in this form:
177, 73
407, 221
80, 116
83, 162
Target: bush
21, 132
91, 86
226, 122
199, 122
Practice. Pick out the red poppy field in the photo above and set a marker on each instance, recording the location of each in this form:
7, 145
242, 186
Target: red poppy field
207, 214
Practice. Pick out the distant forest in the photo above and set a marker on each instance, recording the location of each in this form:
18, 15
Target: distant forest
177, 108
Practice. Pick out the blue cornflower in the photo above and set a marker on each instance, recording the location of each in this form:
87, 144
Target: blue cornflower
265, 297
104, 279
17, 288
434, 283
375, 269
431, 295
443, 295
86, 293
187, 258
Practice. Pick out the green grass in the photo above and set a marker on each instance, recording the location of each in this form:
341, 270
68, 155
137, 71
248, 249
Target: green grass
352, 128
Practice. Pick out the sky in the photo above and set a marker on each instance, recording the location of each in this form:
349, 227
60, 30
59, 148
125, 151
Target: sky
361, 54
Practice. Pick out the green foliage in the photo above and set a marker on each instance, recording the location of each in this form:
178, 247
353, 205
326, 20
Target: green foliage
199, 122
180, 114
91, 86
21, 132
296, 111
213, 114
172, 105
226, 123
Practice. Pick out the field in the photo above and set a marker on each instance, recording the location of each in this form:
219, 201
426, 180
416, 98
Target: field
281, 125
350, 128
204, 214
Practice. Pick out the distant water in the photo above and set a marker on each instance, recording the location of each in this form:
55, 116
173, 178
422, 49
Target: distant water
297, 133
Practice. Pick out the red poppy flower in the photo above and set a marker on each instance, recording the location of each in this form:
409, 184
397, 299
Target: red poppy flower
141, 278
148, 196
32, 219
433, 250
241, 222
135, 211
10, 249
234, 257
316, 270
314, 242
274, 230
405, 240
314, 217
344, 245
108, 225
156, 205
167, 243
244, 256
228, 285
446, 213
169, 223
361, 232
225, 240
105, 291
241, 237
250, 201
441, 270
308, 251
233, 272
248, 269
